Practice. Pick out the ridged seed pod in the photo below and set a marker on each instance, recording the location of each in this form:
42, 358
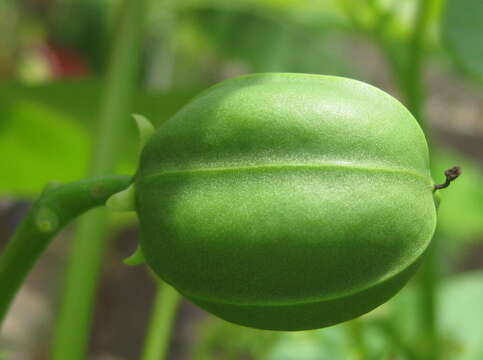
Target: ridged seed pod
286, 201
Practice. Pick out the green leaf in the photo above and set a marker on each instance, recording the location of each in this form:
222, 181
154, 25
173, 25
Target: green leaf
288, 44
462, 31
307, 346
40, 144
462, 314
220, 339
332, 343
45, 132
459, 316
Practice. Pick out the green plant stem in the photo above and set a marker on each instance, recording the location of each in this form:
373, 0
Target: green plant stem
355, 332
428, 282
162, 318
400, 346
70, 337
409, 74
413, 88
413, 77
56, 206
408, 71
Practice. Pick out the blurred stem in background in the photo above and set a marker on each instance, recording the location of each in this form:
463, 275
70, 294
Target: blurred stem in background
355, 331
160, 67
71, 333
412, 86
427, 280
160, 77
413, 77
407, 66
162, 318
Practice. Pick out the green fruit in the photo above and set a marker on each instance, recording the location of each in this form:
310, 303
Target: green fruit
287, 201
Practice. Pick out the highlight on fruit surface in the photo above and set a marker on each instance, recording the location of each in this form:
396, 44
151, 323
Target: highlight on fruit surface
286, 201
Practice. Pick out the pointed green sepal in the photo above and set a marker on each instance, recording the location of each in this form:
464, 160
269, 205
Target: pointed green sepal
123, 200
146, 129
135, 259
437, 200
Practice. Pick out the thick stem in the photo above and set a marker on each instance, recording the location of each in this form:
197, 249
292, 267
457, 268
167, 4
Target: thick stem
56, 206
414, 92
162, 318
411, 82
428, 282
71, 333
413, 77
355, 332
428, 278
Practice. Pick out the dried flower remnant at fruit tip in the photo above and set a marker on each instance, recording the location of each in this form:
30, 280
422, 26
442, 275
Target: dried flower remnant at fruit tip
451, 174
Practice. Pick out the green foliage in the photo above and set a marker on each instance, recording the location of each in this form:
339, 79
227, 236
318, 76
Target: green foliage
304, 345
53, 146
287, 43
333, 343
459, 310
461, 313
224, 340
322, 9
49, 128
328, 344
462, 29
266, 189
88, 32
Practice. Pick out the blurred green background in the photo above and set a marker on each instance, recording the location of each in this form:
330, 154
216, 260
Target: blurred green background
53, 60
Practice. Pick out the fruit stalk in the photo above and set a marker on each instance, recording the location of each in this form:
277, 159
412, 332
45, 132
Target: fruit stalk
56, 206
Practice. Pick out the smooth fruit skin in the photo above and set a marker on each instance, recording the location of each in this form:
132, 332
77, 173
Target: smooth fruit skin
287, 201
